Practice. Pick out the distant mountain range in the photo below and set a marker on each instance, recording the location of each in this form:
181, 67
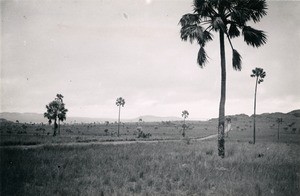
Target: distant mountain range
38, 118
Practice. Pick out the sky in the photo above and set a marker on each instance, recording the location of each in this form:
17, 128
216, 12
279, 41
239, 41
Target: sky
93, 52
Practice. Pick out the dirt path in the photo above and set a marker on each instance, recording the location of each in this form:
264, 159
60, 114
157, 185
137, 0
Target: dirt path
105, 143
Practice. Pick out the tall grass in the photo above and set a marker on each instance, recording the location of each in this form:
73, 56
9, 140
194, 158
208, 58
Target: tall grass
172, 168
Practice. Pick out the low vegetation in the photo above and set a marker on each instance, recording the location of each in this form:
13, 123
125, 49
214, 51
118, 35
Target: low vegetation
173, 168
33, 162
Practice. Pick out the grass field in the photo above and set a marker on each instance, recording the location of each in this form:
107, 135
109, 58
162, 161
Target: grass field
31, 134
173, 168
185, 167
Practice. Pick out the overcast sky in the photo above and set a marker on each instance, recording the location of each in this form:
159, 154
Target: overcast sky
93, 52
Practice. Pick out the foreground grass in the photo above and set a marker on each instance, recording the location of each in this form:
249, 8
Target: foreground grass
173, 168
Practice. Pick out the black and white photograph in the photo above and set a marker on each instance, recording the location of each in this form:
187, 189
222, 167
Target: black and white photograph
150, 97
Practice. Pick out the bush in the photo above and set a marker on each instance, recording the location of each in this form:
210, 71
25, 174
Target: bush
141, 134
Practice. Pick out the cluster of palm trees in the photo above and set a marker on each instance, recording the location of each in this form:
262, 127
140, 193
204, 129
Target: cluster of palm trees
229, 18
56, 112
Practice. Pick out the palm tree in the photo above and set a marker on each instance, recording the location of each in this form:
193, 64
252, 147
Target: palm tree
119, 102
279, 121
184, 114
229, 18
55, 111
259, 74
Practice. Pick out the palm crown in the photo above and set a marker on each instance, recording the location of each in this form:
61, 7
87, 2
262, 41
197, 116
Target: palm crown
56, 109
120, 102
259, 73
185, 114
228, 16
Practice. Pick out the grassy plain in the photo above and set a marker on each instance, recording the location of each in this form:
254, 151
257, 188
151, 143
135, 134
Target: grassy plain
31, 134
185, 167
173, 168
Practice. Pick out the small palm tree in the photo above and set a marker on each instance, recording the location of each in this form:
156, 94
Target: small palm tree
55, 111
259, 74
184, 114
229, 18
120, 102
279, 121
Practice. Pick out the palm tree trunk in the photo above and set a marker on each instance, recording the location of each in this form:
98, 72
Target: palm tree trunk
254, 110
278, 133
221, 141
183, 132
58, 127
55, 127
119, 121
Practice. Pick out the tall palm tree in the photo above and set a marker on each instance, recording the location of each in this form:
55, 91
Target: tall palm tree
259, 74
229, 18
120, 102
184, 114
55, 111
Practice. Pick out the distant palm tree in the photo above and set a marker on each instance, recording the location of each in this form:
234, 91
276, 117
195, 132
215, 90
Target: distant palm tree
55, 111
279, 121
120, 102
259, 74
184, 114
229, 18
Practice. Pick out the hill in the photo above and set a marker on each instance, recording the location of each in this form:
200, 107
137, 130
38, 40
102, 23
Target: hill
39, 118
295, 113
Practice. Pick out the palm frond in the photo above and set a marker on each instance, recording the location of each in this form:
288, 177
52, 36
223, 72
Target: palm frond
239, 17
233, 31
207, 36
204, 8
254, 37
202, 57
236, 60
189, 19
245, 10
191, 32
257, 9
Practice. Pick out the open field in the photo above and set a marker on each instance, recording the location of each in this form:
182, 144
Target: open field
186, 167
242, 127
154, 169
